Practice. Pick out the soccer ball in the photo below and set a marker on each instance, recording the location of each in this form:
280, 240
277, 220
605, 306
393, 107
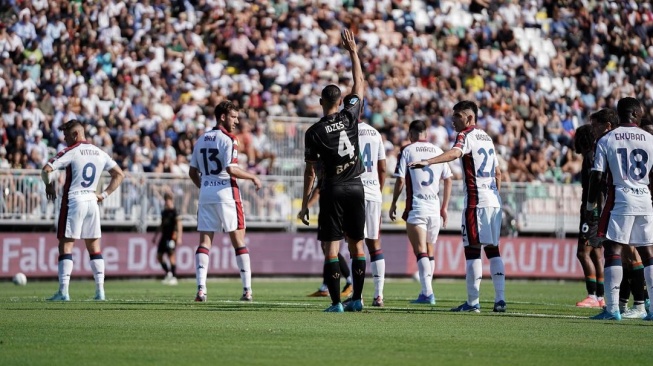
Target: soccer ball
20, 279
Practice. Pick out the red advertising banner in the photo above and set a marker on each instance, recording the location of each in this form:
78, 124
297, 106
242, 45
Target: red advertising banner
133, 254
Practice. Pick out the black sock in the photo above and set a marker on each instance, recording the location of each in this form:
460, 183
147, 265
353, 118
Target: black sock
600, 288
358, 276
344, 266
164, 265
638, 286
624, 290
590, 285
332, 279
173, 269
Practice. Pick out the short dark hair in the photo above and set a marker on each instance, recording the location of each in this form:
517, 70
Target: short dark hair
70, 124
626, 107
331, 94
224, 108
167, 196
417, 126
604, 116
467, 104
584, 138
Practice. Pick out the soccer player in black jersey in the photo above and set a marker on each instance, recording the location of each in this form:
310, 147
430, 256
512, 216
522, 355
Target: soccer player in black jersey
171, 230
333, 140
589, 251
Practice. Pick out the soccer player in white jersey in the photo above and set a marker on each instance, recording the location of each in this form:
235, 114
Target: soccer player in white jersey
424, 214
79, 217
214, 170
624, 156
373, 177
482, 216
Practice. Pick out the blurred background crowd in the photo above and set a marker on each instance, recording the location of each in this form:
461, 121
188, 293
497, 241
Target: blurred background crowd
145, 75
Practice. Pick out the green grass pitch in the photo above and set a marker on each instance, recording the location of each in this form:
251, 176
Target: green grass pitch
146, 323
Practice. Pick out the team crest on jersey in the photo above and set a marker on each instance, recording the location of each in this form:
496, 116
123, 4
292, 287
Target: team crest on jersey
353, 100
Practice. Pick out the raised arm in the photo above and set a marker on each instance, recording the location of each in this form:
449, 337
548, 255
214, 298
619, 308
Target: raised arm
349, 43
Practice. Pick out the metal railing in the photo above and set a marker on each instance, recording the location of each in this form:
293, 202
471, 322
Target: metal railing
528, 207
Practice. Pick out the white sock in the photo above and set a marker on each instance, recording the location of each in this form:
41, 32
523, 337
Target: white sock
97, 266
498, 278
613, 277
349, 280
648, 277
378, 273
432, 267
65, 270
201, 270
473, 275
323, 287
425, 275
245, 271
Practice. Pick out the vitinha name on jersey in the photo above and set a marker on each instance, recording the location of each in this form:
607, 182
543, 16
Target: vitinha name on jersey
334, 127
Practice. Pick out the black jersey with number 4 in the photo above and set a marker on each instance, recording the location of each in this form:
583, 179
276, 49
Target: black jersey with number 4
333, 140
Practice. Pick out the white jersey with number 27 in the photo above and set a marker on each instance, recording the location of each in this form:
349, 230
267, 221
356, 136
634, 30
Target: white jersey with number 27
626, 155
372, 150
214, 151
479, 163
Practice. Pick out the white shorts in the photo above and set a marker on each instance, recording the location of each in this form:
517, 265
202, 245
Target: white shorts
225, 217
429, 223
79, 220
481, 226
372, 219
635, 230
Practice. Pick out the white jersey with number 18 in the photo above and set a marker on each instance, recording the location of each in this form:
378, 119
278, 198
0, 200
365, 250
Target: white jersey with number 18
372, 150
625, 154
214, 151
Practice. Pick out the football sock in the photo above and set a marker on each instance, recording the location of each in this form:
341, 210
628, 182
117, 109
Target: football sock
173, 270
624, 287
201, 267
637, 285
164, 266
498, 278
378, 271
242, 259
600, 288
648, 277
332, 278
613, 276
473, 276
358, 265
425, 274
97, 266
590, 285
432, 260
323, 287
65, 270
344, 268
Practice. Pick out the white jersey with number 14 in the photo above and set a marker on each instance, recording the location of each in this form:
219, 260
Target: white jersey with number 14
372, 150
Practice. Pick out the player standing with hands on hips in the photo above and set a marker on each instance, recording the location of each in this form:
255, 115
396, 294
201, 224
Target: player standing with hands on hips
79, 217
333, 140
214, 170
482, 215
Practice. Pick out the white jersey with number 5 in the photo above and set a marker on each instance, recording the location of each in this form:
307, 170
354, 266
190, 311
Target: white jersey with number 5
84, 163
423, 184
214, 151
479, 163
625, 154
372, 150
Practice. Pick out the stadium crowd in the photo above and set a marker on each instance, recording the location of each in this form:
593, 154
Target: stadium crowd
145, 75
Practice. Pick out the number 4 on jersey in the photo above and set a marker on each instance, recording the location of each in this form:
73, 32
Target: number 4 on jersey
344, 145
